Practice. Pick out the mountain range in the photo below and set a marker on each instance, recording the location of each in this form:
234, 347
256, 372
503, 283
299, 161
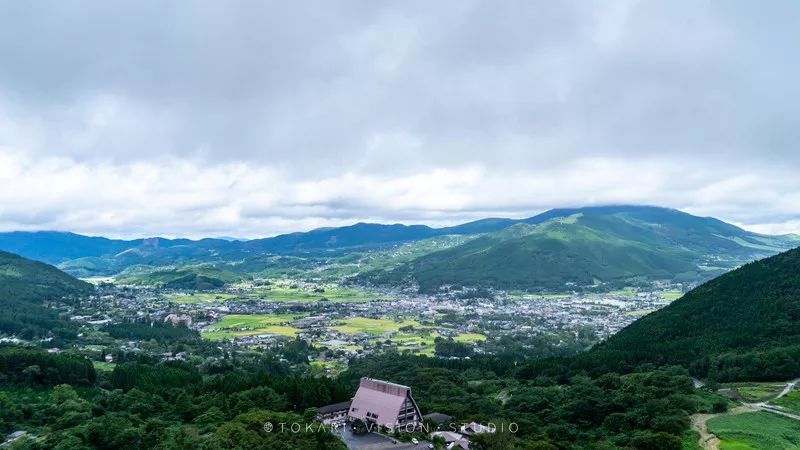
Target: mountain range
585, 246
576, 246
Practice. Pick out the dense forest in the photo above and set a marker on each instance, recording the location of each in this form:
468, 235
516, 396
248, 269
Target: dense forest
25, 286
742, 325
224, 402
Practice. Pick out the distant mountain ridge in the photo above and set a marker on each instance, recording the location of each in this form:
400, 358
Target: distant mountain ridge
55, 247
658, 232
584, 246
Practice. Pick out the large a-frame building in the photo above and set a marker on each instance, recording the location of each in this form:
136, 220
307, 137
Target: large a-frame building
386, 404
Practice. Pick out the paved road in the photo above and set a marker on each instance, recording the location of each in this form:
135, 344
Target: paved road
765, 406
375, 441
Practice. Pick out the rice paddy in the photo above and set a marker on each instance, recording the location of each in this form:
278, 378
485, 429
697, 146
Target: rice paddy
372, 327
237, 325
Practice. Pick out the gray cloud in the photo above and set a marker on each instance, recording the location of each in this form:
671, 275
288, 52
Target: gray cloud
250, 118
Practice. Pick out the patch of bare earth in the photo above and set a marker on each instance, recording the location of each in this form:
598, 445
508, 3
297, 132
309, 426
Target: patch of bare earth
700, 424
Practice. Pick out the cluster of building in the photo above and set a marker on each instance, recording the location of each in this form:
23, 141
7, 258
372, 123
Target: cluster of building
385, 406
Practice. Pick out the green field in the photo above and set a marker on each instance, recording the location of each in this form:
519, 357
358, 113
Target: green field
671, 296
790, 402
235, 325
469, 337
752, 391
372, 327
103, 366
755, 430
420, 341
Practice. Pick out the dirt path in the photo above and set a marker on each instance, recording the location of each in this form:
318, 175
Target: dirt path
700, 421
700, 424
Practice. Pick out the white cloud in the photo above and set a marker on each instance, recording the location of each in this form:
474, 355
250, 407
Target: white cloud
177, 197
250, 119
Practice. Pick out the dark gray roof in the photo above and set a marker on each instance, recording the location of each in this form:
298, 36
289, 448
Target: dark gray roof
334, 407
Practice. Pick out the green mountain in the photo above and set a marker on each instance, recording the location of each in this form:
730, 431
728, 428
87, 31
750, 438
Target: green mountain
742, 325
86, 256
190, 277
589, 245
25, 286
581, 246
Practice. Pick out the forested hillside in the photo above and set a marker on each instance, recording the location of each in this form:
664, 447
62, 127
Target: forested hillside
25, 286
742, 325
583, 246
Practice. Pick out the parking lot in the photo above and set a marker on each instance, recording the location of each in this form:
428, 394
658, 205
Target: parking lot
375, 441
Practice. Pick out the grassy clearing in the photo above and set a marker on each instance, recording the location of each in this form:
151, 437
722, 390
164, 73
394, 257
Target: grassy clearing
790, 402
103, 366
372, 327
331, 368
671, 296
235, 325
755, 430
469, 337
753, 392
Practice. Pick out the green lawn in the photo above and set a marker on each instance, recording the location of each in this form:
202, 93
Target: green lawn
373, 327
755, 430
469, 337
671, 296
234, 325
419, 341
103, 366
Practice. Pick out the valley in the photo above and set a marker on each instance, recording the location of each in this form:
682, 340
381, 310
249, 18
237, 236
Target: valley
341, 323
581, 327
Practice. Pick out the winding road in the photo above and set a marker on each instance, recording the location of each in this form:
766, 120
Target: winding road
765, 406
700, 421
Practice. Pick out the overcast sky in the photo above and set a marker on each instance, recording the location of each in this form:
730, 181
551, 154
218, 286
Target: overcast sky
193, 118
